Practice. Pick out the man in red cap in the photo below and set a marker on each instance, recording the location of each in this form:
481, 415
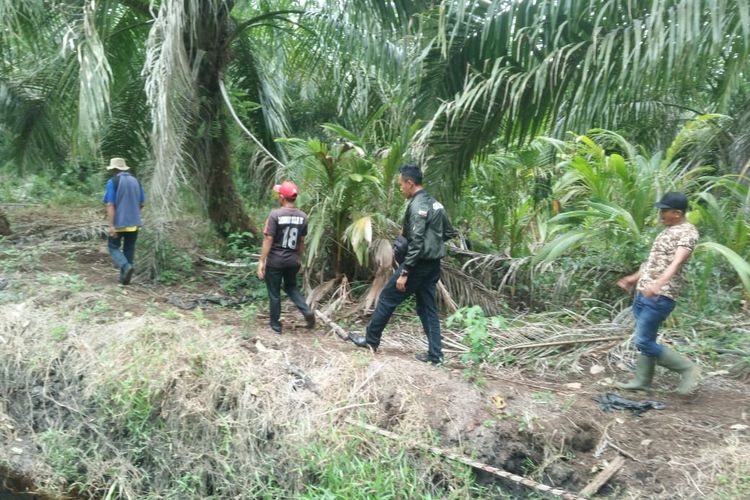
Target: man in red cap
281, 255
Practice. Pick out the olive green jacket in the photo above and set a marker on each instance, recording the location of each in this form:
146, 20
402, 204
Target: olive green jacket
427, 228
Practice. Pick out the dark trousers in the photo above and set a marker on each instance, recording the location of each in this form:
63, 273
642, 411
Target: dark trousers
422, 282
274, 277
126, 240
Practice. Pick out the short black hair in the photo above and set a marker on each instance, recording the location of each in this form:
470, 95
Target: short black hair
411, 171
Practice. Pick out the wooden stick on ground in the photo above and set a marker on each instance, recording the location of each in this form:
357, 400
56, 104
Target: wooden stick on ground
225, 264
529, 483
566, 342
603, 476
343, 335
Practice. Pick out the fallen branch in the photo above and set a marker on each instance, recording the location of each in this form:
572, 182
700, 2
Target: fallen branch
226, 264
525, 481
566, 342
603, 476
736, 352
343, 335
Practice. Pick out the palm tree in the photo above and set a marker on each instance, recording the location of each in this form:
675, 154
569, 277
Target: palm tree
95, 82
510, 70
473, 70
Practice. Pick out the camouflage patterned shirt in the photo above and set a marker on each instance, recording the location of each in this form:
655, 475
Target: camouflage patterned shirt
663, 253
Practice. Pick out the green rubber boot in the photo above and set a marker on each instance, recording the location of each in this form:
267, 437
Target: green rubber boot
688, 370
644, 374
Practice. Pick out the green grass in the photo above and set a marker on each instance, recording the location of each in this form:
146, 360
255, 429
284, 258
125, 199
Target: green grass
356, 466
59, 332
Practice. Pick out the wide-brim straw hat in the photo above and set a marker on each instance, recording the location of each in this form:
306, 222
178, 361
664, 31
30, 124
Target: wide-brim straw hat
117, 163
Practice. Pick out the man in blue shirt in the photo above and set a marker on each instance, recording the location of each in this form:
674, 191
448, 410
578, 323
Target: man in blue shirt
124, 198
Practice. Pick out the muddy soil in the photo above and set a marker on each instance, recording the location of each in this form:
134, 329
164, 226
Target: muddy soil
545, 426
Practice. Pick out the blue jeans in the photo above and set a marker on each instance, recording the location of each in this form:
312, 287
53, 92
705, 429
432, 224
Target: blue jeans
274, 277
649, 314
127, 254
422, 281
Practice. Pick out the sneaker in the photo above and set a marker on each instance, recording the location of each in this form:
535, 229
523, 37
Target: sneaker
426, 358
127, 274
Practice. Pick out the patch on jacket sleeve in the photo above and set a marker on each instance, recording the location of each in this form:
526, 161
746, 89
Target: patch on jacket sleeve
422, 213
437, 206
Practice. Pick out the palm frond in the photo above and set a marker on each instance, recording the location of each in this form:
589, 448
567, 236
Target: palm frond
740, 265
170, 90
95, 76
510, 67
466, 290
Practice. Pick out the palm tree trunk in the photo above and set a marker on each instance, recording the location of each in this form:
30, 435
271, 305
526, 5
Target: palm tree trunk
211, 150
4, 224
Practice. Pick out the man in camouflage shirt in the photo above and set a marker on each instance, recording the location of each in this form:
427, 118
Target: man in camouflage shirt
426, 229
657, 285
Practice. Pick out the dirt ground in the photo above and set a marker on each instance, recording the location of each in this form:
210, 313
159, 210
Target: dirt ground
546, 426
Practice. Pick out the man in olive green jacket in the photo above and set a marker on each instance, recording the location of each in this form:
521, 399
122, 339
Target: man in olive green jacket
426, 229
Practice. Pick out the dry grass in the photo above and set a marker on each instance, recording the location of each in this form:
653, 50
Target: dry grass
720, 471
147, 406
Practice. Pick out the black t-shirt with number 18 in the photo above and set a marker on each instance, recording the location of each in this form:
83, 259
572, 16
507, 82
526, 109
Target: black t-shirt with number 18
286, 225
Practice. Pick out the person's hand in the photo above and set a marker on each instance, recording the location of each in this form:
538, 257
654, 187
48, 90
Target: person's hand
626, 283
261, 271
401, 283
651, 291
112, 232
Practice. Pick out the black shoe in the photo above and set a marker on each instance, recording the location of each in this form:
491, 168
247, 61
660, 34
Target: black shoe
426, 358
310, 321
360, 341
276, 330
127, 274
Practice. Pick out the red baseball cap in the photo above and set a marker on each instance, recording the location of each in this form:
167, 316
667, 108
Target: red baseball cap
287, 189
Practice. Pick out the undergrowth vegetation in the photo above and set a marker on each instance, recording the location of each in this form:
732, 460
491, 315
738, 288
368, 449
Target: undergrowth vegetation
154, 408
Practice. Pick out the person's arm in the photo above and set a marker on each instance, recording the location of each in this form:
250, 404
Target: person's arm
109, 202
418, 226
629, 281
449, 232
680, 257
265, 250
111, 220
301, 247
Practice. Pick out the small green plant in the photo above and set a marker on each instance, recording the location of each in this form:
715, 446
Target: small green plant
529, 466
248, 312
71, 259
101, 306
131, 406
238, 246
543, 396
356, 466
474, 323
59, 332
63, 454
71, 282
171, 314
527, 422
201, 318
